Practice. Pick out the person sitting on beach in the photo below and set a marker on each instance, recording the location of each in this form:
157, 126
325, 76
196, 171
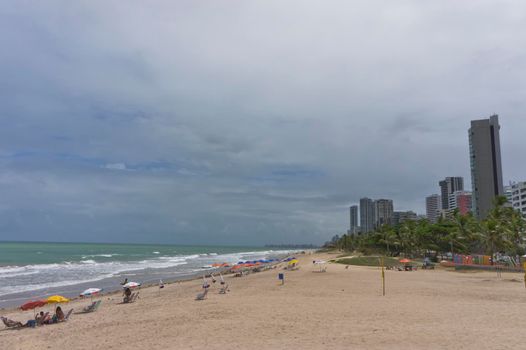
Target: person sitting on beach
127, 295
58, 316
39, 317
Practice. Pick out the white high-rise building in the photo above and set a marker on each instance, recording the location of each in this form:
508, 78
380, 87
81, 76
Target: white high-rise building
518, 197
366, 215
353, 220
433, 206
383, 211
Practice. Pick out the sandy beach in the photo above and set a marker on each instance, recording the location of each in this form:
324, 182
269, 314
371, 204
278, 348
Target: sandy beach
339, 309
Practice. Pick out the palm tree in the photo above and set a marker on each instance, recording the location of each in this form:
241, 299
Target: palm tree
407, 236
462, 231
387, 236
492, 236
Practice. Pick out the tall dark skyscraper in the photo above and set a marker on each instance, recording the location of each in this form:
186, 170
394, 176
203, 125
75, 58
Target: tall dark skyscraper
449, 186
486, 167
367, 215
353, 219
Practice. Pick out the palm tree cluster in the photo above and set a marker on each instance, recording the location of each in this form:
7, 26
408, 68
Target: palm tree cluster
503, 231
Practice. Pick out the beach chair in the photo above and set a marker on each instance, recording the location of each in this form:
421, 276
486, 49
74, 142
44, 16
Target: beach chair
202, 295
129, 299
10, 323
223, 289
93, 307
67, 316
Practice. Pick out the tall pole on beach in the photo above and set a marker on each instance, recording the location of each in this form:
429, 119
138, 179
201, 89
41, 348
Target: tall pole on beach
383, 276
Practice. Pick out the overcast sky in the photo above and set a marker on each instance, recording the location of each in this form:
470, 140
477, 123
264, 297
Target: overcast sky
244, 122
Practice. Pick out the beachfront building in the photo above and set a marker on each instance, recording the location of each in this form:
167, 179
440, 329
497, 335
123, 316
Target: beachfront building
518, 197
433, 205
485, 163
461, 200
508, 192
400, 216
383, 211
448, 186
353, 220
367, 215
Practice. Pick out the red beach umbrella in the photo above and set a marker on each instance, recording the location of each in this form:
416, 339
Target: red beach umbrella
30, 305
405, 261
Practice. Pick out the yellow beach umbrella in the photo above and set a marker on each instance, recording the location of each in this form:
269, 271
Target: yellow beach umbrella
292, 262
55, 299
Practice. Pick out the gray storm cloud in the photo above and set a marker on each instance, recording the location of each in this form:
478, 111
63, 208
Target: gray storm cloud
243, 122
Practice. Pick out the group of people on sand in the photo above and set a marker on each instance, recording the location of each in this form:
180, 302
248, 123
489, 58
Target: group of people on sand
45, 318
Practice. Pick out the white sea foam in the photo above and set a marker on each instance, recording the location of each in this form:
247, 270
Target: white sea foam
17, 279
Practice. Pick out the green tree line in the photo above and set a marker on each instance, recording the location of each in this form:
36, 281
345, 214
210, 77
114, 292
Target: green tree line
502, 231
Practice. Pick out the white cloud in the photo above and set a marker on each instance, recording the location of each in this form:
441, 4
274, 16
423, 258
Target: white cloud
262, 120
116, 166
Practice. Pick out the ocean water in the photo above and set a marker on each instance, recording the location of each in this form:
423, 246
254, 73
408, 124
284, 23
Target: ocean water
36, 270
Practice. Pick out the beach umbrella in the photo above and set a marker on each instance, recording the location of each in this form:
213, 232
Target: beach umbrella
56, 299
131, 285
30, 305
405, 261
91, 292
293, 261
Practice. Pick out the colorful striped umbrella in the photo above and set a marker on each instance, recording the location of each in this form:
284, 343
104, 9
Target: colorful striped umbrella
90, 292
131, 285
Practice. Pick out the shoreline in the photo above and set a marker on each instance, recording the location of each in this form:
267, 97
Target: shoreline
70, 277
186, 277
